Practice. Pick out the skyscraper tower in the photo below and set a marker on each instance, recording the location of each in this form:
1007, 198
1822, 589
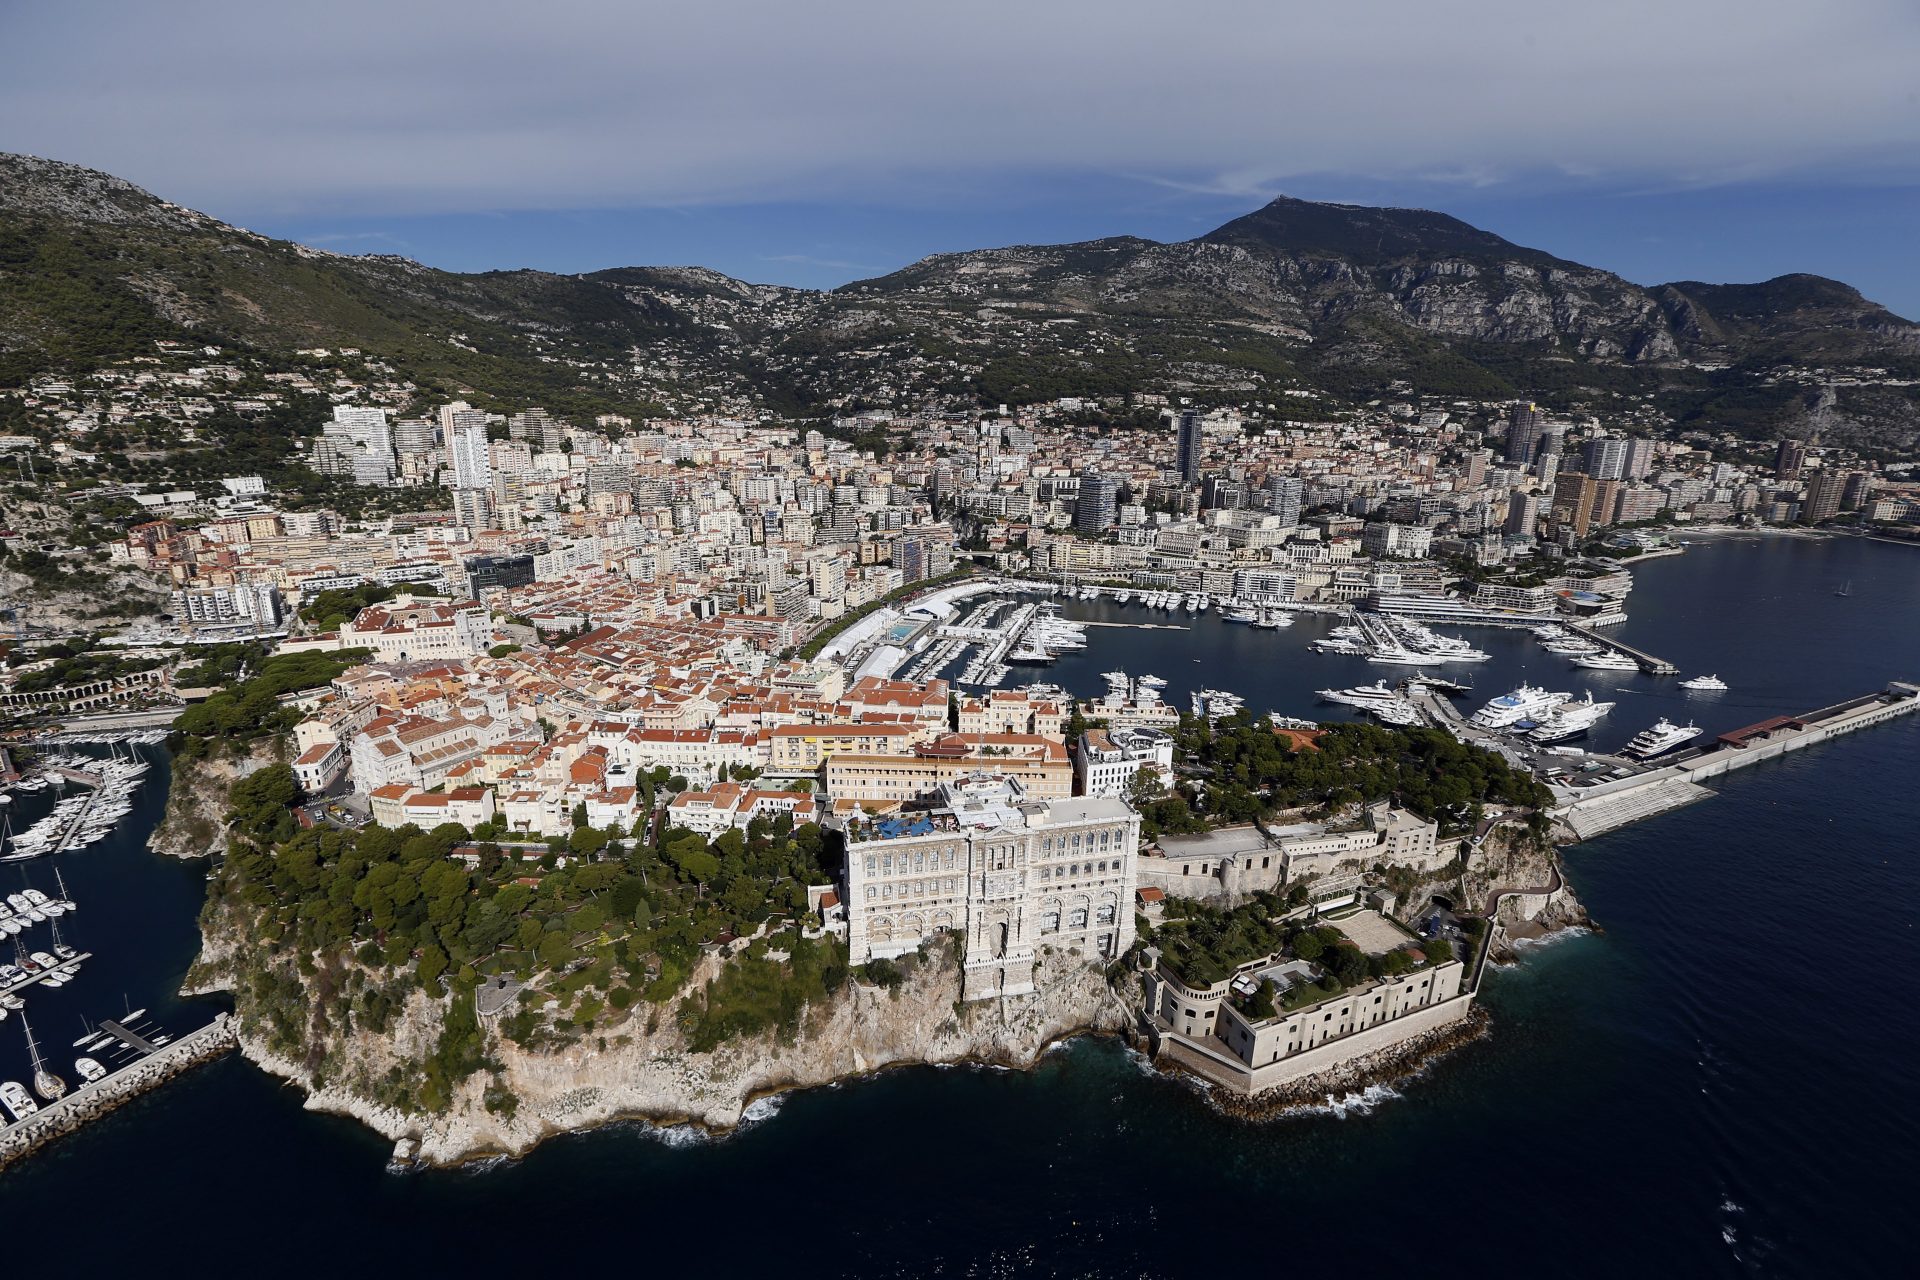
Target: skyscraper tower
1189, 446
1098, 495
1523, 432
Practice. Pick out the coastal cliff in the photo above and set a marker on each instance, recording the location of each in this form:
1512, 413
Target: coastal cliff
356, 1048
195, 823
1517, 879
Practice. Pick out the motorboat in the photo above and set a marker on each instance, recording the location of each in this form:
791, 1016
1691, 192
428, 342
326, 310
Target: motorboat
88, 1070
1606, 662
1705, 684
15, 1098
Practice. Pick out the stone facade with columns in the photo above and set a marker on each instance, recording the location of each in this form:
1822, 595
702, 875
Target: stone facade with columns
1013, 874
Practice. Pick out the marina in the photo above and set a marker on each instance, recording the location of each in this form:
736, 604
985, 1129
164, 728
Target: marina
74, 821
149, 1063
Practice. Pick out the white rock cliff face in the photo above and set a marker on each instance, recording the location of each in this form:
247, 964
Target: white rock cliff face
622, 1071
195, 823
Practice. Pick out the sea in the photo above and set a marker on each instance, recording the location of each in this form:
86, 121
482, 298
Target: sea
1720, 1079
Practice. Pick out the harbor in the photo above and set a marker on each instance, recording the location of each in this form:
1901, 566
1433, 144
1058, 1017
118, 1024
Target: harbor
74, 821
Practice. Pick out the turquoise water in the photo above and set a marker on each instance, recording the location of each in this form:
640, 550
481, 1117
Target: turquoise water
1718, 1083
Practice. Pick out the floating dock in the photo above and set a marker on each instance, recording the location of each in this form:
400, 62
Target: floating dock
154, 1066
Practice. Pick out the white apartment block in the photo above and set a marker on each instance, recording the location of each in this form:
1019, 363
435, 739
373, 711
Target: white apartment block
1106, 762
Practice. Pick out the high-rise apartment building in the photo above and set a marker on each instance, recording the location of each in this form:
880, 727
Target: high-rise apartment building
1639, 457
1285, 496
1189, 445
1607, 458
1523, 514
1524, 423
467, 446
1825, 489
1099, 498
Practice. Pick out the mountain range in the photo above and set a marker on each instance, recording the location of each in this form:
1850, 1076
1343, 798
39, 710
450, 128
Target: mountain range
1331, 302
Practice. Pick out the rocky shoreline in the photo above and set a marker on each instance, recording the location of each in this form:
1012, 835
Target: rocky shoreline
624, 1073
650, 1081
639, 1068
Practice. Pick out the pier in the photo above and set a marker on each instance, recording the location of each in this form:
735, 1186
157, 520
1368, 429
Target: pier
1588, 812
91, 1101
23, 983
1648, 663
132, 1039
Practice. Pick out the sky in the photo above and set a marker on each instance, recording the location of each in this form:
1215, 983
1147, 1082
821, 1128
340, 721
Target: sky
834, 140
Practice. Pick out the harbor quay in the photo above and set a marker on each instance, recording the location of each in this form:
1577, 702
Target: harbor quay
91, 1101
1589, 812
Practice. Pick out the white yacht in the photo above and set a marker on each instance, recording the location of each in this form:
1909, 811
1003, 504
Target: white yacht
1571, 720
1399, 657
1525, 703
1362, 696
1240, 615
88, 1070
1398, 712
1665, 736
1606, 662
1705, 684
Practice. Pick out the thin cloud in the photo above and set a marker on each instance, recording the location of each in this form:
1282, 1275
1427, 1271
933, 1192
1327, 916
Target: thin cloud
478, 106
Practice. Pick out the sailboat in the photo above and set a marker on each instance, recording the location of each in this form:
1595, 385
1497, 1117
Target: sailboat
1846, 589
45, 1083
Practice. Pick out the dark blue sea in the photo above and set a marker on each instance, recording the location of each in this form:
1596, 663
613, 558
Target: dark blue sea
1721, 1082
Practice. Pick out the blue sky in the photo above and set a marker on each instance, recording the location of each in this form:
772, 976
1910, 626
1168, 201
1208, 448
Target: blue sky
814, 144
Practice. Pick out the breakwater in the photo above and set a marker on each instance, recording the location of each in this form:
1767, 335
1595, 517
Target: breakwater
91, 1101
1612, 805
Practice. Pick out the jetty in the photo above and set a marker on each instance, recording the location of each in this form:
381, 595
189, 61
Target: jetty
65, 966
1648, 663
155, 1066
1586, 812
